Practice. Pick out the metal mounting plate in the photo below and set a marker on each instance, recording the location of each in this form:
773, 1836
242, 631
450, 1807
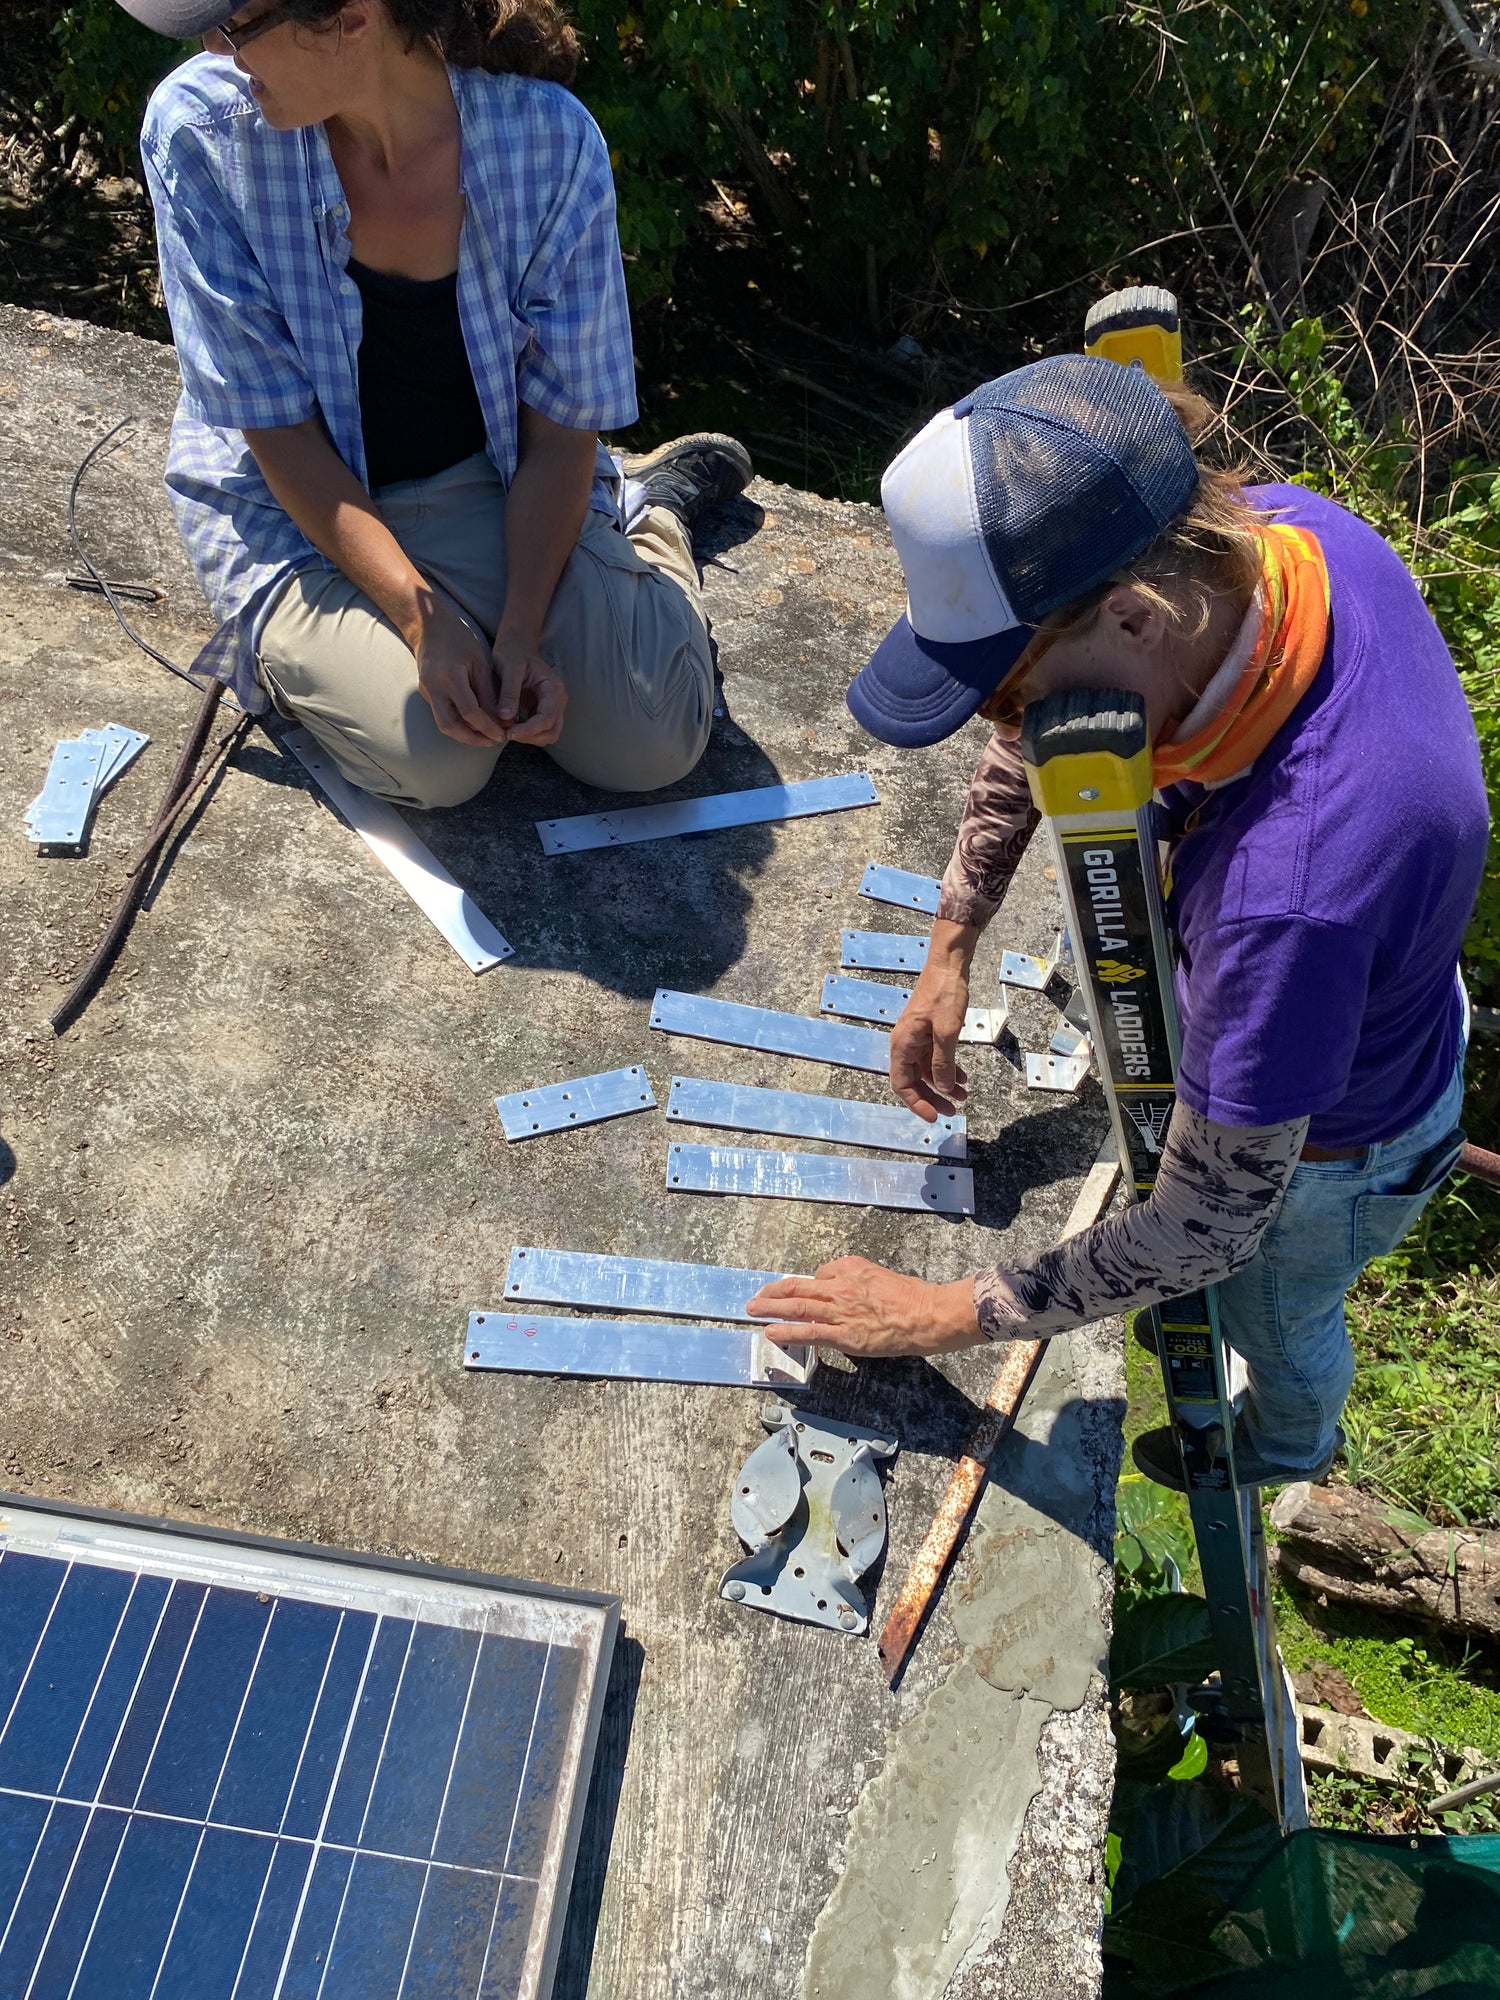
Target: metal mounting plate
809, 1506
59, 814
633, 1350
707, 815
633, 1284
1050, 1072
935, 1186
1020, 968
424, 878
121, 748
796, 1114
867, 1000
773, 1033
882, 951
581, 1100
895, 885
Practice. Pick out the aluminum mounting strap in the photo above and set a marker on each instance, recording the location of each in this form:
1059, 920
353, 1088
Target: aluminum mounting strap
632, 1284
906, 891
868, 1000
634, 1350
797, 1114
707, 815
582, 1100
774, 1033
59, 814
415, 867
882, 951
935, 1186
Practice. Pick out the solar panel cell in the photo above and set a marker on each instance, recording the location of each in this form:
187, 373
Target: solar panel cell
212, 1926
419, 1746
131, 1925
368, 1955
507, 1959
112, 1692
37, 1741
21, 1823
28, 1590
199, 1723
268, 1742
275, 1918
481, 1804
549, 1736
73, 1918
366, 1738
148, 1704
45, 1879
452, 1937
318, 1764
307, 1959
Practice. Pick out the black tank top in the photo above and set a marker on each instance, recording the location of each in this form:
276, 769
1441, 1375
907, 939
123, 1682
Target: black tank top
417, 399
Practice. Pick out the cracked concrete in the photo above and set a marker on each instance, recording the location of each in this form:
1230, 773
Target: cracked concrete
247, 1202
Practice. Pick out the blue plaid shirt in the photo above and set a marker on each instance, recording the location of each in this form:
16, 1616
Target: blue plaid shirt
252, 225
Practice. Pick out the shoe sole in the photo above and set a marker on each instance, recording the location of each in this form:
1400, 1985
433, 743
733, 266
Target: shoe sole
642, 468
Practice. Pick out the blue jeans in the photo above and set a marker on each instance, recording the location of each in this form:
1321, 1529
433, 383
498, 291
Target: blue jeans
1285, 1311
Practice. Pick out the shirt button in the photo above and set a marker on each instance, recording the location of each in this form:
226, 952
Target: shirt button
346, 286
341, 212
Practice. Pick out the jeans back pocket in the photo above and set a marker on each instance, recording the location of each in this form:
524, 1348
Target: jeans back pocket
1381, 1220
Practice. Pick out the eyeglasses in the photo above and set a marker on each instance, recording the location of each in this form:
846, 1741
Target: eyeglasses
273, 17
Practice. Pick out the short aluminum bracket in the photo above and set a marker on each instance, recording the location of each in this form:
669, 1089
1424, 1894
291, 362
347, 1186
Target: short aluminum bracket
895, 885
582, 1100
1068, 1041
867, 1000
796, 1114
1050, 1072
708, 815
633, 1350
809, 1506
424, 878
121, 748
882, 951
59, 814
771, 1032
632, 1284
1020, 968
935, 1186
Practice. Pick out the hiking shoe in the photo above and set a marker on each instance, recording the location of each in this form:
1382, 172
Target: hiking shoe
693, 473
1157, 1455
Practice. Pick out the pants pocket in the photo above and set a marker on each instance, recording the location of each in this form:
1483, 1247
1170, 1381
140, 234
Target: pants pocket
1381, 1220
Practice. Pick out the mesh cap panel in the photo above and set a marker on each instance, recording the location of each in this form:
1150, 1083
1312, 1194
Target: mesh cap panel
1078, 465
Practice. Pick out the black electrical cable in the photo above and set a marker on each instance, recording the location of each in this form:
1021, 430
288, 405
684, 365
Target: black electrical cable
102, 583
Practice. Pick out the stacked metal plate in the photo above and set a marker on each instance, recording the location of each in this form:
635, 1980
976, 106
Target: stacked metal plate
233, 1767
82, 770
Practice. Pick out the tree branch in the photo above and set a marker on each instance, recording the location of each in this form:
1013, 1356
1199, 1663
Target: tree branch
1473, 48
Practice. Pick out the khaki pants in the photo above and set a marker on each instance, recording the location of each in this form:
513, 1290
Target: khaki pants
626, 631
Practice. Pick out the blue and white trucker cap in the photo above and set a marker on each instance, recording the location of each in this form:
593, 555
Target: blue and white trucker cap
1019, 500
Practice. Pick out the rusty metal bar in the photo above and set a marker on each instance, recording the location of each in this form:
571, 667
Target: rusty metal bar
925, 1577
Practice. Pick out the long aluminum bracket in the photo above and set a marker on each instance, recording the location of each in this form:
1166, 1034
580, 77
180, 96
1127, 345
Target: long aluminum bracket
707, 815
582, 1100
796, 1114
635, 1350
632, 1284
936, 1187
772, 1032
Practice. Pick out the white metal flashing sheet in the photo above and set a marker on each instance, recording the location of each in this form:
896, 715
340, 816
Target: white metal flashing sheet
707, 815
582, 1100
935, 1186
797, 1114
774, 1033
424, 878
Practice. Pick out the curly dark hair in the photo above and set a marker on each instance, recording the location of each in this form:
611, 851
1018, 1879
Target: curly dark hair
515, 37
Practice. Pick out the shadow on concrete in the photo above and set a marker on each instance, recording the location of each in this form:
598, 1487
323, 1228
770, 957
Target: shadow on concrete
7, 1163
575, 1959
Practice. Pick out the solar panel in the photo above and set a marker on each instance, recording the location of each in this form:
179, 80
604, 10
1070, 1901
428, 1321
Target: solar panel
237, 1769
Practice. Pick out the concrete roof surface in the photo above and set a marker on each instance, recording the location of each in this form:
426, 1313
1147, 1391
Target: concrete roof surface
252, 1195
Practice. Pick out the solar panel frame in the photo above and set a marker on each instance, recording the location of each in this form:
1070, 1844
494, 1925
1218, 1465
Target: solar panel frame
36, 1528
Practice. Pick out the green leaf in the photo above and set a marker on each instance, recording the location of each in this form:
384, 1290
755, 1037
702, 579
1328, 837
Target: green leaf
1159, 1640
1194, 1759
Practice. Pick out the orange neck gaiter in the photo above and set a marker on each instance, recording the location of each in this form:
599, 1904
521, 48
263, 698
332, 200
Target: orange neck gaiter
1293, 636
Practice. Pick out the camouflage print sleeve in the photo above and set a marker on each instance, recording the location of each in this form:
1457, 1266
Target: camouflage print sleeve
998, 821
1217, 1192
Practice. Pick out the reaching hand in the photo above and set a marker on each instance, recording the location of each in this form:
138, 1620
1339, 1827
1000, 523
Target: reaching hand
924, 1068
862, 1308
533, 698
457, 677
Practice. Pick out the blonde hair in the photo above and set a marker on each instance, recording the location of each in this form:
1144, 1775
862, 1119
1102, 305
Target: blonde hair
1213, 550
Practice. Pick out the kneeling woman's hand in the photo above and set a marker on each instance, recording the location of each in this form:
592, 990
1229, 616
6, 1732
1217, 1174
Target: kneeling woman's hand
862, 1308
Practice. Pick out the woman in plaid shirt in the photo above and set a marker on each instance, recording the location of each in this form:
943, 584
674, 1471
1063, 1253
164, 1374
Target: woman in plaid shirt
389, 253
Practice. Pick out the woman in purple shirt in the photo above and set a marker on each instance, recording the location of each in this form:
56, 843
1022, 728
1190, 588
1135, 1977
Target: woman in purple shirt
1320, 783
